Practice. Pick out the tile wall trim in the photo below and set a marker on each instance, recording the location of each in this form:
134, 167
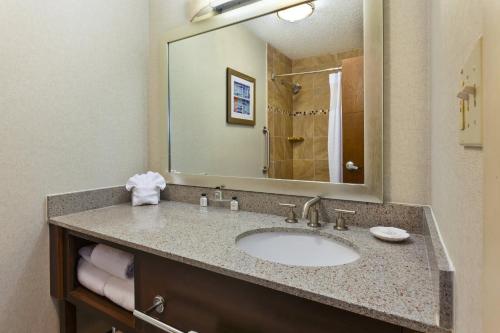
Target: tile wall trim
278, 110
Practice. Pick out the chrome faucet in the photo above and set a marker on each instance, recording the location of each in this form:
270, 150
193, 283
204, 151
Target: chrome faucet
311, 212
218, 194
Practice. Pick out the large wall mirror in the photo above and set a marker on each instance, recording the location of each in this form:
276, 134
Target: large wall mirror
279, 104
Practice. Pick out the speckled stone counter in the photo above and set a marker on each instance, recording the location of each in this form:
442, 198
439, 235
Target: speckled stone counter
390, 282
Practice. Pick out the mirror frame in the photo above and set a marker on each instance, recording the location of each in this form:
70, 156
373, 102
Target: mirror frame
370, 191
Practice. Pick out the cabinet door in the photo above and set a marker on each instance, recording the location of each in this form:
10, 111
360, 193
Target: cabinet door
208, 302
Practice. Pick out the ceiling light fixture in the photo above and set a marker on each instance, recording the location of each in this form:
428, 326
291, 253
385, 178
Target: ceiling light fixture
297, 13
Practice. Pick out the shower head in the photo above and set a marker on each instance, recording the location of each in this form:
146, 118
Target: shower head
293, 85
296, 88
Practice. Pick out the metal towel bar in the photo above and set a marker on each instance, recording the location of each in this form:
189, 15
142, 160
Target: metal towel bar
159, 306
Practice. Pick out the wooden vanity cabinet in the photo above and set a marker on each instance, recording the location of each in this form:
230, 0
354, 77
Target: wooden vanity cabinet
207, 302
196, 299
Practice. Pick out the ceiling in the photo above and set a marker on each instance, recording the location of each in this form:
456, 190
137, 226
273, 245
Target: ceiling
335, 26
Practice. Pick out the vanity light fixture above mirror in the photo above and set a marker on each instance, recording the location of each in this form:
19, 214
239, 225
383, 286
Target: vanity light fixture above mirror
203, 9
221, 5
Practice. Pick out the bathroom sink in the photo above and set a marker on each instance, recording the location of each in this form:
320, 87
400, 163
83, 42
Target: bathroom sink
296, 248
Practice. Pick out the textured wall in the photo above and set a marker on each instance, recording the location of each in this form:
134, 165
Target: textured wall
457, 175
491, 286
164, 15
406, 102
73, 100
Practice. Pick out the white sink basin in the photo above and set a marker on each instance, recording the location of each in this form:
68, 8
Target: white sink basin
296, 248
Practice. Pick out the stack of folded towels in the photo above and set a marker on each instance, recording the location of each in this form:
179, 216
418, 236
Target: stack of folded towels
108, 272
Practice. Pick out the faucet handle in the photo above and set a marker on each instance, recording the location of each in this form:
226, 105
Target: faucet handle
345, 211
340, 222
218, 195
292, 217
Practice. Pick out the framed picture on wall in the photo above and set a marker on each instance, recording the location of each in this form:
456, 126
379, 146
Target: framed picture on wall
240, 98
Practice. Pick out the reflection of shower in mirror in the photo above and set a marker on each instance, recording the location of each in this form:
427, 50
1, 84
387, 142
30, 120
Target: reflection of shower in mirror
313, 127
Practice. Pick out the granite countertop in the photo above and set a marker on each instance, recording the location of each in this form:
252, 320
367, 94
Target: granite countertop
390, 282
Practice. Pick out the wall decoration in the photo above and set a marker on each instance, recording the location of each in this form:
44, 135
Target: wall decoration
240, 98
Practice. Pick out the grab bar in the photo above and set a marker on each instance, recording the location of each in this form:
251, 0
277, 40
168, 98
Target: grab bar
159, 306
267, 133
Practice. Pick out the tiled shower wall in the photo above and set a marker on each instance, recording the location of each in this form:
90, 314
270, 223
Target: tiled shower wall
302, 115
310, 157
310, 115
279, 115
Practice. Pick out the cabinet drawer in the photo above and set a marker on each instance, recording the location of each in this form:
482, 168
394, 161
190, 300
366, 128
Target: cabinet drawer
208, 302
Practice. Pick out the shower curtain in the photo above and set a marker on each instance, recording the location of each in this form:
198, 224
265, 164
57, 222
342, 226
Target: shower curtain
335, 159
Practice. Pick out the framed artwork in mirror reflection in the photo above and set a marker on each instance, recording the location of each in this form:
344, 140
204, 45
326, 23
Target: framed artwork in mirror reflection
240, 98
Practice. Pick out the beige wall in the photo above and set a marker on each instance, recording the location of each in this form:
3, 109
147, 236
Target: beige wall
164, 15
406, 124
491, 284
406, 95
72, 100
457, 175
202, 140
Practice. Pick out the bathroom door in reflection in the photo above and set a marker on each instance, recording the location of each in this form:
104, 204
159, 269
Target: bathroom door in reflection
353, 120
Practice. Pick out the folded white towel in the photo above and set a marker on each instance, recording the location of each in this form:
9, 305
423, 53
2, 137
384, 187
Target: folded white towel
113, 261
121, 292
91, 277
146, 188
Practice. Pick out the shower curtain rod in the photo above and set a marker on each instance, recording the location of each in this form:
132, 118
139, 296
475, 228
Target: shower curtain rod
333, 69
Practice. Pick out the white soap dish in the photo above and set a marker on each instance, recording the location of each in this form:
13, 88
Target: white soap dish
390, 234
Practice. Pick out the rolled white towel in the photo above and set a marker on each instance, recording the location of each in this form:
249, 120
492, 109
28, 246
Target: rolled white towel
116, 262
86, 252
91, 277
120, 292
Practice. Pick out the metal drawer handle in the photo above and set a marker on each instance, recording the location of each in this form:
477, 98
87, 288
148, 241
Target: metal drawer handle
159, 306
